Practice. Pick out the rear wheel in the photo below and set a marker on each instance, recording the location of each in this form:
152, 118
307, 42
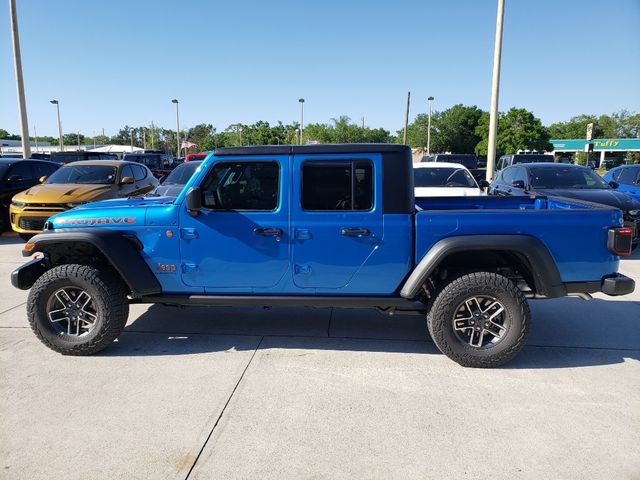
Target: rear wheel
479, 319
77, 309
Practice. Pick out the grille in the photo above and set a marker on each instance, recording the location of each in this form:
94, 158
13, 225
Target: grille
32, 223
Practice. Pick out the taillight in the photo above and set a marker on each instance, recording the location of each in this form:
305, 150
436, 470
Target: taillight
619, 241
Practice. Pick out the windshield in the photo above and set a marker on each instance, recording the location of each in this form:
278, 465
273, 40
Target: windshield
568, 177
182, 174
443, 177
469, 161
84, 174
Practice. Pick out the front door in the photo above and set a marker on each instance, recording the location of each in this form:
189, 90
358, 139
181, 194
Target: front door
239, 241
336, 220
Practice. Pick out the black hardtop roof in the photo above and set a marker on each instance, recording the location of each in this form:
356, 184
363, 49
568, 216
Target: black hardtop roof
316, 148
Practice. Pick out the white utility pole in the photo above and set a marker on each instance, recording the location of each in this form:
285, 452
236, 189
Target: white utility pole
495, 89
430, 99
17, 62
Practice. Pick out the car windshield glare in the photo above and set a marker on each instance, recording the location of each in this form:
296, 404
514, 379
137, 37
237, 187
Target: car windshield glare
84, 174
566, 178
182, 174
443, 177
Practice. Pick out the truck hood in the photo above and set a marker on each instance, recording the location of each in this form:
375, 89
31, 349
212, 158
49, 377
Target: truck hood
610, 198
127, 203
65, 193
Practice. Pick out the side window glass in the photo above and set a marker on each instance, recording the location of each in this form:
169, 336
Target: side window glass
139, 172
627, 176
43, 170
242, 186
126, 172
509, 175
337, 185
22, 170
521, 174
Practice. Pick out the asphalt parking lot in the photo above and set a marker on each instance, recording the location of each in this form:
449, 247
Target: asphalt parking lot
300, 393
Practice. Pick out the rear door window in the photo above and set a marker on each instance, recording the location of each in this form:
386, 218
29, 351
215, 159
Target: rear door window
22, 171
334, 185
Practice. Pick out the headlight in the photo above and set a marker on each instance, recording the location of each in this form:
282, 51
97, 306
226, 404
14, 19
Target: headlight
17, 204
633, 213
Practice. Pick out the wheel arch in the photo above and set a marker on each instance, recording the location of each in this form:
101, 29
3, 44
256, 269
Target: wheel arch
525, 253
115, 249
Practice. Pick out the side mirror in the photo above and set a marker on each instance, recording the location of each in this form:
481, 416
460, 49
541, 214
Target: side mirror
126, 181
194, 200
42, 179
484, 184
613, 184
15, 179
518, 184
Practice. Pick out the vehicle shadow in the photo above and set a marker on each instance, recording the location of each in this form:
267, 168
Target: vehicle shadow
10, 238
565, 332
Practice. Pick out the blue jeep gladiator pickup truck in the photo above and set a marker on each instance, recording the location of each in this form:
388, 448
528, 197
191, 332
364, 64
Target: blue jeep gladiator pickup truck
321, 226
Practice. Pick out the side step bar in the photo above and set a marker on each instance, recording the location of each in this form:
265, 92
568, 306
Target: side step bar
383, 303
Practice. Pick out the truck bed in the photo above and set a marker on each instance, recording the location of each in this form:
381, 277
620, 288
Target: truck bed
578, 249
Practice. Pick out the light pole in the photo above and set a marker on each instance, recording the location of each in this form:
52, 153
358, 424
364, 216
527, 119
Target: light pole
406, 119
57, 104
429, 127
301, 100
495, 88
17, 62
177, 125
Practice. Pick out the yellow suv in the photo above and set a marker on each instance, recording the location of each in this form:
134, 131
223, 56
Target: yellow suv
74, 184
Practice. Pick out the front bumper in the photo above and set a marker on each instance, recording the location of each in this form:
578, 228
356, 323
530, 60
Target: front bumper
31, 218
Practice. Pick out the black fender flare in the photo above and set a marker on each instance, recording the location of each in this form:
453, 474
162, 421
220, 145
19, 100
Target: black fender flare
543, 267
122, 252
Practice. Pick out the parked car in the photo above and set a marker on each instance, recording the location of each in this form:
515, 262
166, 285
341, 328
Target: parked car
75, 184
173, 183
570, 181
17, 175
628, 179
78, 156
440, 179
159, 163
468, 160
320, 225
507, 160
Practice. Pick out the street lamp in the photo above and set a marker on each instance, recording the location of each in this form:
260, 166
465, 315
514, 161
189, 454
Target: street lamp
177, 126
57, 104
429, 127
301, 100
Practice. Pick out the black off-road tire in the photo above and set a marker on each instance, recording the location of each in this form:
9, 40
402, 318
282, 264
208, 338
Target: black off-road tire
109, 297
517, 318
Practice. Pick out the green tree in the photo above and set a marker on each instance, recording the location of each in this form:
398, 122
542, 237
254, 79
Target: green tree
343, 130
518, 129
452, 130
71, 139
3, 133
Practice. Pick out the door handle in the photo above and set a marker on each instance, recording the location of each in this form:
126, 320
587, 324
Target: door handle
268, 232
355, 232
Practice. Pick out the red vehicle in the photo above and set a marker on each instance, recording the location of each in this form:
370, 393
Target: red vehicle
195, 156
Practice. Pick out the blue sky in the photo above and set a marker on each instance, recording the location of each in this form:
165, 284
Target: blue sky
121, 62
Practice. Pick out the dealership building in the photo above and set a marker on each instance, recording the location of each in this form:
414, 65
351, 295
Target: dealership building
603, 145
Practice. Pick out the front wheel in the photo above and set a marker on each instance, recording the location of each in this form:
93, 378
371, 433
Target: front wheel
77, 309
479, 319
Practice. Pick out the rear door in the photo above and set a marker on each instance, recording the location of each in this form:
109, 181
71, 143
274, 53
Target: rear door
337, 222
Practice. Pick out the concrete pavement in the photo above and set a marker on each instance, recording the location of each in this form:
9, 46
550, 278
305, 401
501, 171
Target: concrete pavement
300, 393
